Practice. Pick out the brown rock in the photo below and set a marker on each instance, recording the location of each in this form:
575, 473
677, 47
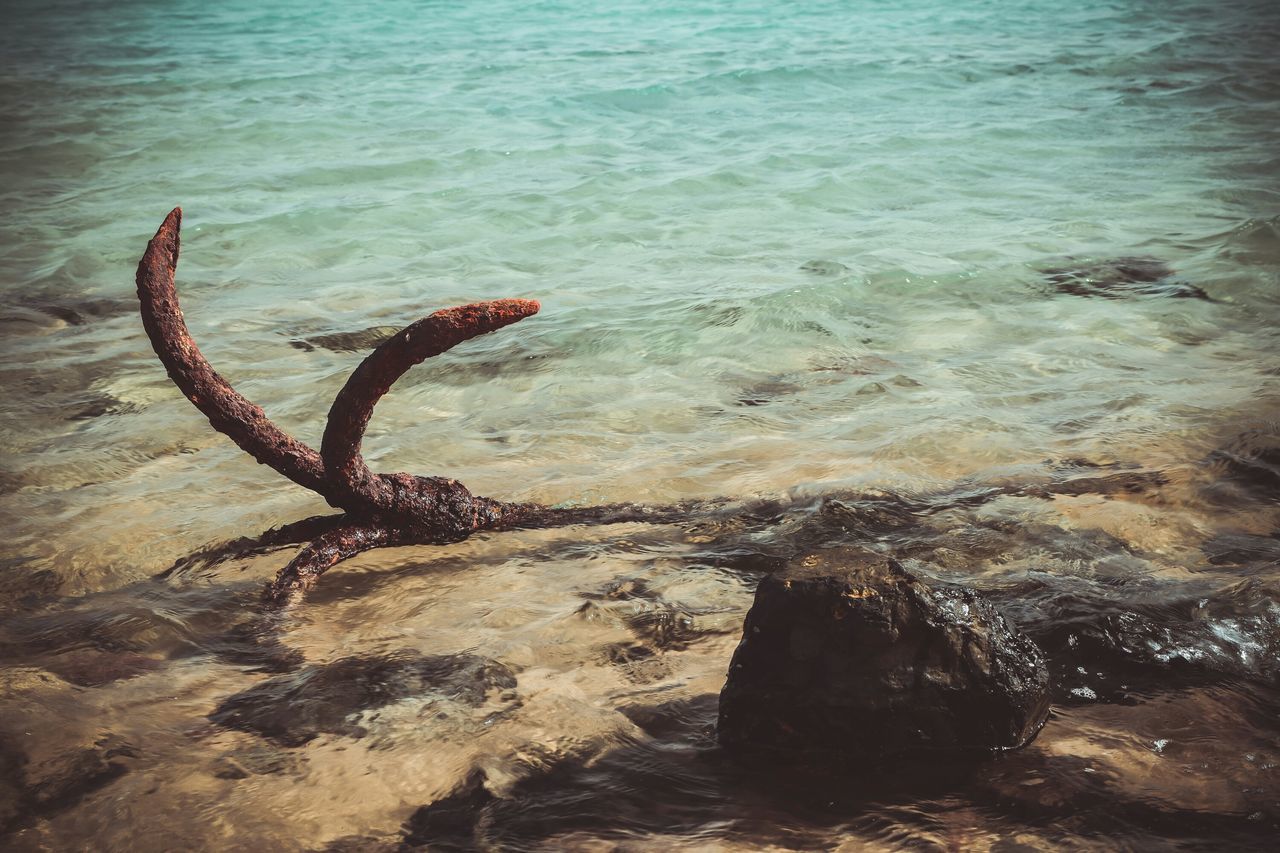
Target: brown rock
846, 654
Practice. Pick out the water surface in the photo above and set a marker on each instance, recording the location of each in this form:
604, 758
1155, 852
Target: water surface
786, 253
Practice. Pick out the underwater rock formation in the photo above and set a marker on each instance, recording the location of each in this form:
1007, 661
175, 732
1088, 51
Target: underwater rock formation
369, 338
1116, 278
296, 708
845, 654
30, 790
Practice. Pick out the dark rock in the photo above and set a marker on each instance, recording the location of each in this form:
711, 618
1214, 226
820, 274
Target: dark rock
96, 406
30, 790
65, 779
94, 668
846, 654
1126, 482
622, 589
1090, 797
40, 316
871, 516
26, 588
364, 339
96, 639
16, 321
260, 760
1247, 470
254, 643
1116, 278
827, 268
293, 709
716, 313
451, 819
1118, 640
667, 627
657, 624
85, 310
363, 844
689, 720
12, 781
768, 391
1243, 549
639, 664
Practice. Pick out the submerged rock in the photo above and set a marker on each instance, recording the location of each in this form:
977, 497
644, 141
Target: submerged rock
261, 760
845, 654
347, 341
96, 406
32, 789
25, 587
65, 778
452, 818
874, 516
821, 267
1117, 640
17, 321
1247, 470
293, 709
86, 309
44, 315
1116, 278
94, 668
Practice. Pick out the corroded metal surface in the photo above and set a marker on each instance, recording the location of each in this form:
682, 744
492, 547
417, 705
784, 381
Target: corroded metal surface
329, 549
228, 412
401, 495
381, 509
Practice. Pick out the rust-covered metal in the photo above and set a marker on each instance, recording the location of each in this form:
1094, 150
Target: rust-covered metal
327, 550
380, 509
228, 412
403, 495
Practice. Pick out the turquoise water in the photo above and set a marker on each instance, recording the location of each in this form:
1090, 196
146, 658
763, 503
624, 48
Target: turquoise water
782, 249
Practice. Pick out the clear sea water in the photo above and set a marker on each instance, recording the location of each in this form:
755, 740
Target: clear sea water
784, 250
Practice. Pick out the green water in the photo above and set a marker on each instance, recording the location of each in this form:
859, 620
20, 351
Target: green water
782, 249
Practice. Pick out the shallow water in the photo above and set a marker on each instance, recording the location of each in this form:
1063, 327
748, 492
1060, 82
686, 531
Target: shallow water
799, 256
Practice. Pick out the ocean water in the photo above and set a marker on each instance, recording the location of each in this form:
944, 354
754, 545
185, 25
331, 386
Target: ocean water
785, 252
